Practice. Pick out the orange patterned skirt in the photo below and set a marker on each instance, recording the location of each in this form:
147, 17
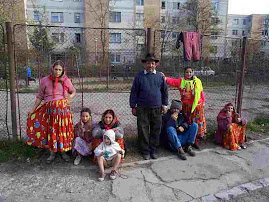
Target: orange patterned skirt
234, 137
198, 116
51, 127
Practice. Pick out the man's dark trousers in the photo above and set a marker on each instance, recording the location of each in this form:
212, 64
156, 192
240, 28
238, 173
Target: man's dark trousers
149, 121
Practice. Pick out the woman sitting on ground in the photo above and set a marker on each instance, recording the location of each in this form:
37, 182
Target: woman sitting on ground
231, 132
108, 121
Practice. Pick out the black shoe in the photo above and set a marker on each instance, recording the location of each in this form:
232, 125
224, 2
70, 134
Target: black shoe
146, 156
181, 154
188, 149
153, 156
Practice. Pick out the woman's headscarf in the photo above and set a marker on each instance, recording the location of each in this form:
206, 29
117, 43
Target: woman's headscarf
113, 124
190, 84
61, 78
222, 112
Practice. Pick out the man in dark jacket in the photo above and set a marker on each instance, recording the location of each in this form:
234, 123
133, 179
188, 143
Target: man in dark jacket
148, 100
177, 132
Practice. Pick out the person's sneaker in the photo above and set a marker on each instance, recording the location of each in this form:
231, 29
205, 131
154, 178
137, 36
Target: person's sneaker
181, 154
113, 175
146, 156
189, 150
153, 156
65, 157
101, 177
77, 160
51, 157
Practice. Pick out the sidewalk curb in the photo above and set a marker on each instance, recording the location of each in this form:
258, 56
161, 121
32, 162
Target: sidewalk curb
235, 191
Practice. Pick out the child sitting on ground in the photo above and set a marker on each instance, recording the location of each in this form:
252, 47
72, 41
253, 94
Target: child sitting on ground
83, 139
108, 154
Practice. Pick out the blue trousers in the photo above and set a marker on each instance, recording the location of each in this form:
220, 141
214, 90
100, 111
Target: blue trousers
179, 139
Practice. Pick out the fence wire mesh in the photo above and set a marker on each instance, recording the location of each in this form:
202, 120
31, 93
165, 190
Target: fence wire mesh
102, 63
220, 69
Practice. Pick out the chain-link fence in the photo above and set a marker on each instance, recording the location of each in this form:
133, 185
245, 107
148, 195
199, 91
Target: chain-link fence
220, 70
102, 63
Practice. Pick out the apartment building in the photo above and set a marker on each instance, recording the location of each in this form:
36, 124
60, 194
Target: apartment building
255, 27
119, 17
69, 14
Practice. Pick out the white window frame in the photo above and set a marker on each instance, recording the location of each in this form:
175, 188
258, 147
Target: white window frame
76, 37
115, 58
140, 2
36, 16
163, 6
176, 5
235, 32
115, 37
115, 16
59, 15
77, 18
58, 37
235, 21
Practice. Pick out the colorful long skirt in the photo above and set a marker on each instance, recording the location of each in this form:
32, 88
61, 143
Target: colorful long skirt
235, 136
81, 147
51, 127
198, 116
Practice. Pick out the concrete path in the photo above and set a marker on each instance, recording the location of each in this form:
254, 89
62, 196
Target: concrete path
212, 175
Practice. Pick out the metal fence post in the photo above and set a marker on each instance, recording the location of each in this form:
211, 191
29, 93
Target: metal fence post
148, 40
10, 47
241, 79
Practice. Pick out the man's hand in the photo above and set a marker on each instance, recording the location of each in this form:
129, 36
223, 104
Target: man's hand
164, 110
174, 116
180, 129
134, 111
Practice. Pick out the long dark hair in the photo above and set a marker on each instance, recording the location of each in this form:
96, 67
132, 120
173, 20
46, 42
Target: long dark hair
89, 123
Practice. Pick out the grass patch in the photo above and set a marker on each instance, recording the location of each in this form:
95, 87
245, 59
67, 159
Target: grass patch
259, 125
15, 150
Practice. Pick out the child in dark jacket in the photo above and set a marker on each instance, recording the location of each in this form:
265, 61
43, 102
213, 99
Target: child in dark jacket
83, 139
178, 132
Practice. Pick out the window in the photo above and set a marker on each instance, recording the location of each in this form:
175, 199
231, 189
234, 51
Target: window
140, 2
243, 33
78, 37
163, 4
115, 16
176, 5
37, 16
77, 17
58, 37
175, 34
174, 19
235, 21
114, 58
163, 19
57, 17
244, 21
215, 6
215, 20
235, 32
163, 34
214, 35
265, 32
139, 16
115, 37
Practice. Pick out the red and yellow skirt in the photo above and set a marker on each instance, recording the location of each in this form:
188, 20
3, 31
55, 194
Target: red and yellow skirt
198, 116
234, 137
51, 127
